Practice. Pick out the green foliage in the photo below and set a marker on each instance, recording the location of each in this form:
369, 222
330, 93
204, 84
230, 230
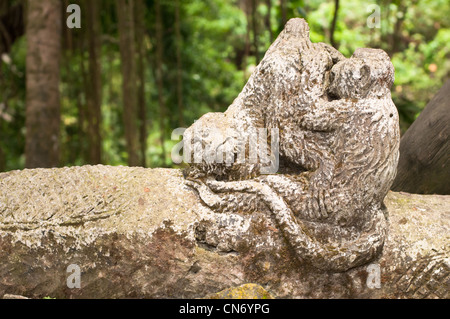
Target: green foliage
212, 30
12, 106
418, 47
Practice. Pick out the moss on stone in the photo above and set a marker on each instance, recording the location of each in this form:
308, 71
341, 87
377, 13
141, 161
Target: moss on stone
246, 291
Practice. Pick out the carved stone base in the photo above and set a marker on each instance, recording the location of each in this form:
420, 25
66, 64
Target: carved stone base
137, 233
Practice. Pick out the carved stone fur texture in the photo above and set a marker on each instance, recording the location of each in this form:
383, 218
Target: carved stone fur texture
338, 148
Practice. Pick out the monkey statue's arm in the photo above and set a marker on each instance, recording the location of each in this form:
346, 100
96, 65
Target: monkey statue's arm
336, 256
228, 197
327, 116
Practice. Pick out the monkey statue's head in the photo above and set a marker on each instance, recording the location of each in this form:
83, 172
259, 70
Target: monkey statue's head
368, 73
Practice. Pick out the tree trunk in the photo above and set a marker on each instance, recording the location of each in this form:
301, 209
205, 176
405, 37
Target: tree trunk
140, 28
255, 30
424, 164
68, 38
43, 31
333, 24
283, 13
159, 78
140, 233
268, 19
129, 79
71, 147
394, 39
179, 47
247, 41
11, 24
82, 105
94, 88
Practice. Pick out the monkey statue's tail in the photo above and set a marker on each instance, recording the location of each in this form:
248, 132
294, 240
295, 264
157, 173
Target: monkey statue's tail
339, 256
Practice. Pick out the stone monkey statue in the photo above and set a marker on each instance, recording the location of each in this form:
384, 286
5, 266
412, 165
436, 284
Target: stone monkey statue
291, 78
339, 137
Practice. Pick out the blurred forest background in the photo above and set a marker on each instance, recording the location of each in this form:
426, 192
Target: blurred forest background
113, 90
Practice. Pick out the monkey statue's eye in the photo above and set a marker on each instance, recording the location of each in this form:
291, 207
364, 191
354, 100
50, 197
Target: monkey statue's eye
332, 76
364, 73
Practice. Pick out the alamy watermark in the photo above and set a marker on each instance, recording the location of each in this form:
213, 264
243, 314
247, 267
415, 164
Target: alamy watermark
74, 19
373, 21
74, 279
373, 276
212, 145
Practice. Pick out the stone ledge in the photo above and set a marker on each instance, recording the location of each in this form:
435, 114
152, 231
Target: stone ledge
134, 234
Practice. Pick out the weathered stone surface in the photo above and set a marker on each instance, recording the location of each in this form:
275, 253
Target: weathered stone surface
140, 233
